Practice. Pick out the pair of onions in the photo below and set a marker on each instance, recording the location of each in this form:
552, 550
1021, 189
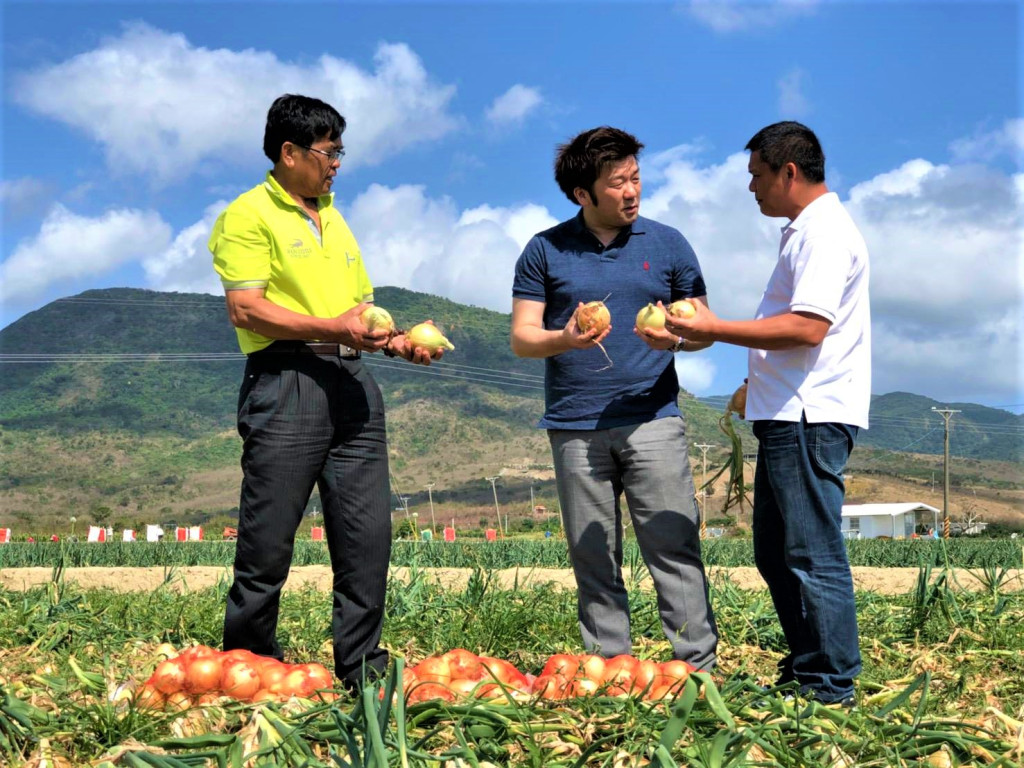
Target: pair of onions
594, 315
425, 335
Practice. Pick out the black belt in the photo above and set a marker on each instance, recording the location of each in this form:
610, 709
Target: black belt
331, 349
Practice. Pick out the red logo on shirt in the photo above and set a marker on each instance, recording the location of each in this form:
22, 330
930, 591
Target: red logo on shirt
647, 265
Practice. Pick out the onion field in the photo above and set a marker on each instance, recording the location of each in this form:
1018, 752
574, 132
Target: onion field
943, 682
506, 553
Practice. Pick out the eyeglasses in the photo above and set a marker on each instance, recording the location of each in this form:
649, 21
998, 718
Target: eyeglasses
331, 156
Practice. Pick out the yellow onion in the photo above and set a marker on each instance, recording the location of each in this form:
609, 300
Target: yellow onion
377, 317
738, 401
593, 316
650, 317
683, 308
427, 336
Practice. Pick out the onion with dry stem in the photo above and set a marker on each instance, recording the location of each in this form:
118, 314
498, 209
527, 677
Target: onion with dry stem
650, 317
593, 316
427, 336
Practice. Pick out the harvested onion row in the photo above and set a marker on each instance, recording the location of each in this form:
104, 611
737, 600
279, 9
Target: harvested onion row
461, 674
201, 675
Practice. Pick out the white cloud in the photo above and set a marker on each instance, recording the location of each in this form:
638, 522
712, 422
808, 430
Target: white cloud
737, 15
696, 373
71, 247
407, 239
425, 244
162, 107
986, 146
793, 102
186, 264
947, 276
513, 106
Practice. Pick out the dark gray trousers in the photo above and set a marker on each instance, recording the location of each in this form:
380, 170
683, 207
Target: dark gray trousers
649, 464
307, 419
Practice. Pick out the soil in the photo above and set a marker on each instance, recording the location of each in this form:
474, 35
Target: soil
887, 581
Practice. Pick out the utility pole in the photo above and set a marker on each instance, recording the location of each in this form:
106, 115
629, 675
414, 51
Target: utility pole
946, 413
704, 447
430, 495
497, 512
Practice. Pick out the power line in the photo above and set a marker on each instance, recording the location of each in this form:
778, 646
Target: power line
473, 374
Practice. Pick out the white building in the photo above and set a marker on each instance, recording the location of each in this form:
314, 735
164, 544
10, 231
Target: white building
896, 521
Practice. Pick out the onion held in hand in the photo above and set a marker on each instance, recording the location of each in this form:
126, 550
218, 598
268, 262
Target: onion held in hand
377, 317
738, 402
683, 308
427, 336
650, 317
593, 316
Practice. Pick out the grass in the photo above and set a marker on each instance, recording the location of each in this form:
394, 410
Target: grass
943, 679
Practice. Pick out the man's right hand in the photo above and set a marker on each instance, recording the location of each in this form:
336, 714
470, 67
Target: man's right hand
352, 331
574, 338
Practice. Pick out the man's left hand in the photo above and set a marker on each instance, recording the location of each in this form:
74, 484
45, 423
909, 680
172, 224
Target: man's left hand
401, 346
656, 338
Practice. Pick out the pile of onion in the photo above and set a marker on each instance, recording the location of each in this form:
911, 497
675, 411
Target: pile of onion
377, 317
427, 336
460, 674
201, 675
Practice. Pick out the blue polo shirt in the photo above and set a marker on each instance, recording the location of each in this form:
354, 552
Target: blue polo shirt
645, 263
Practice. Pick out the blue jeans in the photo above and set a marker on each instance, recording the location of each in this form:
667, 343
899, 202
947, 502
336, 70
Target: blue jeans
800, 551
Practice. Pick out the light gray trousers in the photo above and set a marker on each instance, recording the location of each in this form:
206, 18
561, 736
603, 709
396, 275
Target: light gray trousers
649, 463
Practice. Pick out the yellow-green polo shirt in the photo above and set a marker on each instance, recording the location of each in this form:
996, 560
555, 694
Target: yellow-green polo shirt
264, 240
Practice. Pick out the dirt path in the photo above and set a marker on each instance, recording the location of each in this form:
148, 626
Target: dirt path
889, 581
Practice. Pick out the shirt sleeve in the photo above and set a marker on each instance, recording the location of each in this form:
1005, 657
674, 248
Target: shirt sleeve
241, 248
687, 279
531, 271
820, 269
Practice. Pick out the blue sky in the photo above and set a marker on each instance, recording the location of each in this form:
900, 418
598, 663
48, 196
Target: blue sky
128, 126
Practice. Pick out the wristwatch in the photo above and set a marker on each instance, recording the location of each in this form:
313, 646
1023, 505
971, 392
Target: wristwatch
679, 346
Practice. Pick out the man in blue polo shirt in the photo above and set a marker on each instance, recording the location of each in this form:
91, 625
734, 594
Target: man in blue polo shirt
616, 429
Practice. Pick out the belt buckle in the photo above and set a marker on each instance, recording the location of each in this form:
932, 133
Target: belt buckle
346, 351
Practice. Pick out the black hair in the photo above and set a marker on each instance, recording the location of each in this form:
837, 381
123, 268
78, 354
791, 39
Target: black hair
580, 161
790, 142
301, 120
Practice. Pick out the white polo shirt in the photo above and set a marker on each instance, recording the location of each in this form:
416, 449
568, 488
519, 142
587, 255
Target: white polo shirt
822, 269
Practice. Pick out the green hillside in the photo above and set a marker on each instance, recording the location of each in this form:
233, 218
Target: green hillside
130, 406
907, 422
102, 430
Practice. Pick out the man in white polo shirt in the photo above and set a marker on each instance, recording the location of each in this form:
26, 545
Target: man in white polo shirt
809, 389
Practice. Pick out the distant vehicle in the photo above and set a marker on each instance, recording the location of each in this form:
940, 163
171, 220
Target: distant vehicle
230, 534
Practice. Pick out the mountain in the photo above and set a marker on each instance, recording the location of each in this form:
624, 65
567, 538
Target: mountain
911, 422
126, 398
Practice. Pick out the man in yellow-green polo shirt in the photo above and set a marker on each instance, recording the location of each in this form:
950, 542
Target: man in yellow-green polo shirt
309, 412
